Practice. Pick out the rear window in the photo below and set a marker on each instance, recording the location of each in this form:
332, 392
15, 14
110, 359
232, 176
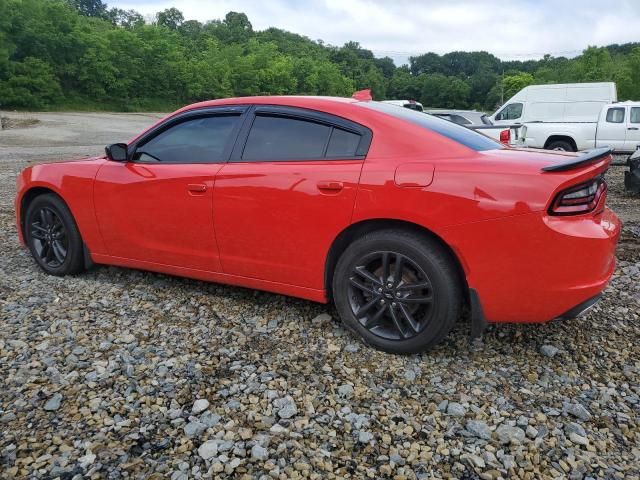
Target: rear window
281, 138
457, 133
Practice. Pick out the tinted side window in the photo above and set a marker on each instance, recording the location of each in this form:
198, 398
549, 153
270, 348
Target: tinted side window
510, 112
199, 140
280, 138
343, 143
635, 115
615, 115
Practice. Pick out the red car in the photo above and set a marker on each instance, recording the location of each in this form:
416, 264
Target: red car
400, 218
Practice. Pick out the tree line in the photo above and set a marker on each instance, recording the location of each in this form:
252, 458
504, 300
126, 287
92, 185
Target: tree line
81, 54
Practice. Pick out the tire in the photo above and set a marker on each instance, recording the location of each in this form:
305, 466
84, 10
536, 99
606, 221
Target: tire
561, 145
52, 236
427, 272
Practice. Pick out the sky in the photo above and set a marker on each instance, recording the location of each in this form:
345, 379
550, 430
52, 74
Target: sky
510, 29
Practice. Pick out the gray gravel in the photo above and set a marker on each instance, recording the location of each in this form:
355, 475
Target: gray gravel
118, 373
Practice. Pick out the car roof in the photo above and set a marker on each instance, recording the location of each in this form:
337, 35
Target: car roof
285, 100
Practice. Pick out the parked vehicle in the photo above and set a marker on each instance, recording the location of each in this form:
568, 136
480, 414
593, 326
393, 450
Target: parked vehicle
410, 104
462, 117
617, 127
481, 122
400, 218
566, 102
632, 177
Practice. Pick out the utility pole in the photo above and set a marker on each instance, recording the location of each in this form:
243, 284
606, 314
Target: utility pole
502, 89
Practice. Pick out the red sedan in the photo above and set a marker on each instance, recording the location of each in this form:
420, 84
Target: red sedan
400, 218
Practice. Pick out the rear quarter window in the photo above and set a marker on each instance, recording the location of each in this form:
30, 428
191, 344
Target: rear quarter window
457, 133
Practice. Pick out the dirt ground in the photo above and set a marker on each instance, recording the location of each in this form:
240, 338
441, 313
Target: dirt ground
56, 136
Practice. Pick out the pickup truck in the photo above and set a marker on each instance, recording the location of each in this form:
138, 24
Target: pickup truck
617, 127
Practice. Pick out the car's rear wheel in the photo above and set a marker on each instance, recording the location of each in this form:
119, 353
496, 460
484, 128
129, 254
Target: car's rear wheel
52, 236
399, 291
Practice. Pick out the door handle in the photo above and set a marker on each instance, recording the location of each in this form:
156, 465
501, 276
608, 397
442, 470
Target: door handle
330, 185
197, 187
632, 128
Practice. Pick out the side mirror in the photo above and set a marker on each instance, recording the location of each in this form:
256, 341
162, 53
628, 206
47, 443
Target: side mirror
117, 152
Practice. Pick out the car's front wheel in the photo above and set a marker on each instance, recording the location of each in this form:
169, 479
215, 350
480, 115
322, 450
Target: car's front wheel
52, 236
400, 291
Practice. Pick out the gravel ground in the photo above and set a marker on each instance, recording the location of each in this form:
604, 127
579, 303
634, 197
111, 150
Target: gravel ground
118, 373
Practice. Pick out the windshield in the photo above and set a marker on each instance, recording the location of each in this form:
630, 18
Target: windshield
457, 133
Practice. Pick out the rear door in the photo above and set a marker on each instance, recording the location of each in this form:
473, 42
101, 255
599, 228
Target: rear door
612, 130
632, 140
286, 193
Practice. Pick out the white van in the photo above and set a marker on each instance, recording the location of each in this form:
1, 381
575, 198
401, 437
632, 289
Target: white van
563, 102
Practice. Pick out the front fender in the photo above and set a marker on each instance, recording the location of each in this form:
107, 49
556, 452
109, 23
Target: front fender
71, 181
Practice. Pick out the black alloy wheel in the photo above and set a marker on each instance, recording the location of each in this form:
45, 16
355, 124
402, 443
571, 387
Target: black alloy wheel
50, 240
400, 291
52, 236
390, 295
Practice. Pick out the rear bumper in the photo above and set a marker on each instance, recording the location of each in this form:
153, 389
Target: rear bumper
535, 268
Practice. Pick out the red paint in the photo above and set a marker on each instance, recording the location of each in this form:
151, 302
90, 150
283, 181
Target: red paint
270, 225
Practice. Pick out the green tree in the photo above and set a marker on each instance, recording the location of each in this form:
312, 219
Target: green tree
125, 18
171, 18
57, 52
426, 63
238, 26
444, 92
595, 64
31, 84
516, 82
90, 8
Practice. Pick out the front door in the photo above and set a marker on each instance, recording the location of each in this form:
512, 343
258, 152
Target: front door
286, 194
158, 207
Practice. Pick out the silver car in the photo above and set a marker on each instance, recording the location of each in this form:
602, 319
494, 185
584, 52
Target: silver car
462, 117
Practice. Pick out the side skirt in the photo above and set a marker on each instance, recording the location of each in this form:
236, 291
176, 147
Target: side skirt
312, 294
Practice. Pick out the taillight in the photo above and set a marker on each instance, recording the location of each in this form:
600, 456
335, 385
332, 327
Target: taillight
583, 198
505, 137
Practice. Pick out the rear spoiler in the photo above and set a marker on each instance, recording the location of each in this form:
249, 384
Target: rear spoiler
582, 160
